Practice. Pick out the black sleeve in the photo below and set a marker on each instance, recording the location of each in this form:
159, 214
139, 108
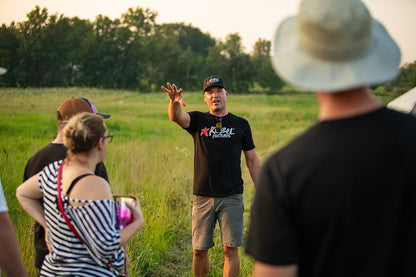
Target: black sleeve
194, 117
101, 171
248, 143
26, 174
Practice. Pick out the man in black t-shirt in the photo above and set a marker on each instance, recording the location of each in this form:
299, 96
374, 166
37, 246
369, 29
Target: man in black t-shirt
56, 151
219, 138
340, 199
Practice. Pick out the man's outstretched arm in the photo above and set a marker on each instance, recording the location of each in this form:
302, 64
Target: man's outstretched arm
175, 110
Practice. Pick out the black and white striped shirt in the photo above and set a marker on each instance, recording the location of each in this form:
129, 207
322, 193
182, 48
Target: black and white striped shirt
95, 223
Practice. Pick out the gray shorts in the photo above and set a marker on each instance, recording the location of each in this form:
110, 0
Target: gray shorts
229, 213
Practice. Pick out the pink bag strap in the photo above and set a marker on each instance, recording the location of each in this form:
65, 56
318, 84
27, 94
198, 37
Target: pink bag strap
61, 206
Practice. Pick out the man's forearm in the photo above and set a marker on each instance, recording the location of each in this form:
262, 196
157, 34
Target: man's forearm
175, 110
177, 115
253, 165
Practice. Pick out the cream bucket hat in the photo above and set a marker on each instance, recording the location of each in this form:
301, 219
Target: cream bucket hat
334, 45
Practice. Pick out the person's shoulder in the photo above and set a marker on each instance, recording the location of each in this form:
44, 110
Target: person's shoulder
397, 114
52, 146
95, 188
51, 168
92, 187
196, 116
400, 120
50, 149
94, 180
236, 117
197, 113
44, 156
301, 145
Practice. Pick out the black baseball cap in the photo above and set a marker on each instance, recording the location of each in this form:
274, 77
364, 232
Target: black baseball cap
213, 81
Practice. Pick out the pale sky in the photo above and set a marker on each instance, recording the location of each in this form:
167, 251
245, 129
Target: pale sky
252, 19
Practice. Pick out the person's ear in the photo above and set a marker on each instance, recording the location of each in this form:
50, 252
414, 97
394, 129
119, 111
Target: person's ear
100, 144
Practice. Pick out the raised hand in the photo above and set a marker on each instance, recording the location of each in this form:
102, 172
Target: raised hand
174, 93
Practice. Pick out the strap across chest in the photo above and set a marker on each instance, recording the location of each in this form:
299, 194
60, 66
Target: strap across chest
76, 180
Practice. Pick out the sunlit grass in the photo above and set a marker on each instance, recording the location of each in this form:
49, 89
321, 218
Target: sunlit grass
150, 156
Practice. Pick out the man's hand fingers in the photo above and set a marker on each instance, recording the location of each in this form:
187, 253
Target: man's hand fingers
174, 93
165, 89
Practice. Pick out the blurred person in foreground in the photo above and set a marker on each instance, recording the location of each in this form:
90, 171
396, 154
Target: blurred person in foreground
219, 138
56, 151
340, 199
10, 260
92, 246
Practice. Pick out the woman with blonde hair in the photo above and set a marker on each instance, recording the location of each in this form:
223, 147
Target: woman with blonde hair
79, 211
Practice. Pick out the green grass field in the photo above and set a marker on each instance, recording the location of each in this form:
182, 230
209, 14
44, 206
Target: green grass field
150, 156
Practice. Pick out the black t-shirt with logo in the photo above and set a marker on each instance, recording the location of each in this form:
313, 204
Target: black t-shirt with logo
217, 157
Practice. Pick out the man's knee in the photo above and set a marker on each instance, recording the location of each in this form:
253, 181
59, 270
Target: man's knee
200, 254
230, 252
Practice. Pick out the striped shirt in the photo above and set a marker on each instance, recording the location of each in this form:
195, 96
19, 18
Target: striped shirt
95, 222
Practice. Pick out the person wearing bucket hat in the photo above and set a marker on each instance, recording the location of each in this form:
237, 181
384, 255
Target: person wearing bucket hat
56, 151
340, 199
219, 138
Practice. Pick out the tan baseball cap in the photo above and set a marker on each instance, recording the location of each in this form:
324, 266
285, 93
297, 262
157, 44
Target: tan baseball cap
71, 107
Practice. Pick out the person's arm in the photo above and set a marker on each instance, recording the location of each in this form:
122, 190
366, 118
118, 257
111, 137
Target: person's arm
175, 111
267, 270
28, 195
10, 260
253, 164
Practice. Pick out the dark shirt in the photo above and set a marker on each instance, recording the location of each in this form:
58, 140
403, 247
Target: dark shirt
217, 157
340, 200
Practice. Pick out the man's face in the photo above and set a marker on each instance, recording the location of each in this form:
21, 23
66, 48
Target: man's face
216, 98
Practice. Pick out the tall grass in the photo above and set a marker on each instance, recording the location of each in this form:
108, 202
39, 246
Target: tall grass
150, 156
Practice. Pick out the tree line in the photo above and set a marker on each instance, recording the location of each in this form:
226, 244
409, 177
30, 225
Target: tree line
133, 52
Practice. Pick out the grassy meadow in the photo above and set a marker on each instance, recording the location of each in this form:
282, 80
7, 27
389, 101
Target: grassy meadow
150, 156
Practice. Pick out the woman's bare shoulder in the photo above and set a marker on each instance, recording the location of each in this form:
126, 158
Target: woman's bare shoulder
92, 187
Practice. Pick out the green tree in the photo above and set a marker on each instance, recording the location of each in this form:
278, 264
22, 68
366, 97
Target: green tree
138, 26
33, 59
187, 36
9, 58
162, 62
140, 21
190, 47
265, 76
215, 62
57, 47
100, 60
80, 33
239, 69
407, 76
